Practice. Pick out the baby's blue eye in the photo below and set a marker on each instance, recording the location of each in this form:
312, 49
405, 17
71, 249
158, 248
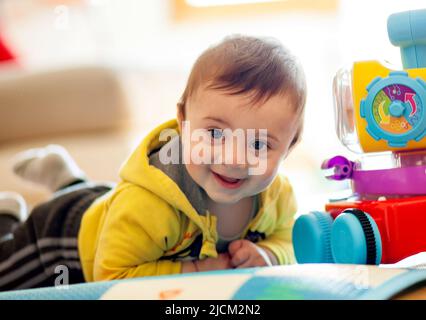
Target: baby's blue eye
216, 133
259, 145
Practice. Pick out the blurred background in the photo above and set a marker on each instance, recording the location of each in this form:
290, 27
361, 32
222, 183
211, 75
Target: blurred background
97, 75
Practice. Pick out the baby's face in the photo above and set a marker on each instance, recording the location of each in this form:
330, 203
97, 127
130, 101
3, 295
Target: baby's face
244, 167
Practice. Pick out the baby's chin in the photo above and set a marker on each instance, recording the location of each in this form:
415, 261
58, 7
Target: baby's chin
224, 198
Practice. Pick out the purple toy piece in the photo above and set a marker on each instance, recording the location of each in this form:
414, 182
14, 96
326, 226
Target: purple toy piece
396, 181
410, 180
342, 168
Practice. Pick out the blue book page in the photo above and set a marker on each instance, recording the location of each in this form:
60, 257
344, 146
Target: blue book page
328, 281
294, 282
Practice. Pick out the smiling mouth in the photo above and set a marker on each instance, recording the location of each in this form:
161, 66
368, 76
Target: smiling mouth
227, 182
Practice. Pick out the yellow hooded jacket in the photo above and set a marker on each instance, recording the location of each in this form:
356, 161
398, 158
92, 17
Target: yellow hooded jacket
147, 226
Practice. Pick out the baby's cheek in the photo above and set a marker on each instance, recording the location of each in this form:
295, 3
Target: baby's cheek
265, 179
197, 172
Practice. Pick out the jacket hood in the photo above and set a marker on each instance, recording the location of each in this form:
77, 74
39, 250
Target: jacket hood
138, 170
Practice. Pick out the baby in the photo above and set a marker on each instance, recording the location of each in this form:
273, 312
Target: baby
201, 192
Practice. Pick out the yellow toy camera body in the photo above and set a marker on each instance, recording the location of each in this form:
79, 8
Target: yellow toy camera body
379, 109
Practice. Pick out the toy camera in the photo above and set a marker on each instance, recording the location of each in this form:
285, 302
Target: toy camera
380, 113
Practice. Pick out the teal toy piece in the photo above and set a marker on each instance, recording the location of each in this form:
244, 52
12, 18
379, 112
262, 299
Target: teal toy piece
395, 109
407, 30
311, 238
355, 239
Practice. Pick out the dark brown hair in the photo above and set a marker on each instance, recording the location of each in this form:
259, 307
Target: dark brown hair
259, 67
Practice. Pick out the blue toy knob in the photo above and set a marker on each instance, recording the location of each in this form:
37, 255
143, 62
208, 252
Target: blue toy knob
396, 109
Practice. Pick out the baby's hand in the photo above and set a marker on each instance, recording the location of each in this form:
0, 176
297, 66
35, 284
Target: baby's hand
222, 262
245, 254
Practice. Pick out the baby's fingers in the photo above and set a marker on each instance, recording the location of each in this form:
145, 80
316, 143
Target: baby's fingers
240, 257
254, 261
247, 264
234, 246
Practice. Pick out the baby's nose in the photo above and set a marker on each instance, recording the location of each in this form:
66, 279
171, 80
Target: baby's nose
236, 156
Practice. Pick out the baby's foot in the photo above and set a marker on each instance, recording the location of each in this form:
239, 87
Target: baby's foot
13, 204
51, 166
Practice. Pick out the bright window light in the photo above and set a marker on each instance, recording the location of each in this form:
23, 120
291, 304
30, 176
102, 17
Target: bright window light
211, 3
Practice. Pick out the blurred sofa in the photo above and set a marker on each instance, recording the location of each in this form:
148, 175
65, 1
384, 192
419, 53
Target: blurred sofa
86, 109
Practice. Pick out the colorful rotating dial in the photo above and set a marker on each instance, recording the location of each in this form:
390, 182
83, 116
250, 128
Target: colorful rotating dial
395, 109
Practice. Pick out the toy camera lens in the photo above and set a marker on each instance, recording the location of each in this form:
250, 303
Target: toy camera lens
344, 114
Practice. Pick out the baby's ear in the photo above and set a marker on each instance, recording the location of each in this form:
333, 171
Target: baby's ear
180, 115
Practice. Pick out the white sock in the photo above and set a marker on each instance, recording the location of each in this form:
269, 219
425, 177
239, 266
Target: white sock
51, 166
14, 204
